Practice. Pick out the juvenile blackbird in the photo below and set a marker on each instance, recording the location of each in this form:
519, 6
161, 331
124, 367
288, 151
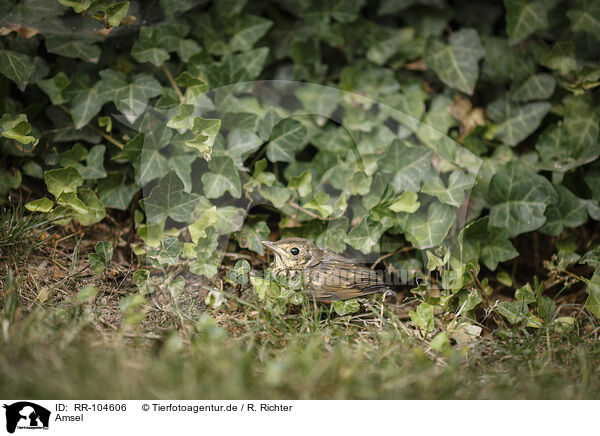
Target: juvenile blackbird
327, 276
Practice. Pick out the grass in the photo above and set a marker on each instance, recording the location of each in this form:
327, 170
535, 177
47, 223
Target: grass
60, 338
65, 350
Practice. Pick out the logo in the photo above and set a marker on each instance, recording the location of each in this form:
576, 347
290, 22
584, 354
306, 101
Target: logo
26, 415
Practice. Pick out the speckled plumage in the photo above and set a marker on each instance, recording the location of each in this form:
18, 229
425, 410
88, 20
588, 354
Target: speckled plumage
327, 275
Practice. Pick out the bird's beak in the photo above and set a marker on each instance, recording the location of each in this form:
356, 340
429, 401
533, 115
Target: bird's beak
274, 248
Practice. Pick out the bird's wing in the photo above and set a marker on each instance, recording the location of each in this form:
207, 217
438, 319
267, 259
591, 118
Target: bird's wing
341, 280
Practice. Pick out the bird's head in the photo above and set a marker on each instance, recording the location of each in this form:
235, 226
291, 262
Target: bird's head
294, 253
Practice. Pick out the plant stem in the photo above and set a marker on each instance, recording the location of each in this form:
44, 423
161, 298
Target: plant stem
173, 83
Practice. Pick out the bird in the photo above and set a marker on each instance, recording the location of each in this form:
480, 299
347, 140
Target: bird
326, 275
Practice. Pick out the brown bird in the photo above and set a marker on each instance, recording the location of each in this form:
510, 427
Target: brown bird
326, 275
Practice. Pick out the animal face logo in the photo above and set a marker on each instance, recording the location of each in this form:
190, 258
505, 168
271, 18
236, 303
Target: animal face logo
26, 415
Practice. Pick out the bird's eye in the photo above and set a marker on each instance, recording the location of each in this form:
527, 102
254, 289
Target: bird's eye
295, 251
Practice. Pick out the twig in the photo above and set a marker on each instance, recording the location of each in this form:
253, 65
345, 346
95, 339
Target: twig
173, 83
106, 136
385, 256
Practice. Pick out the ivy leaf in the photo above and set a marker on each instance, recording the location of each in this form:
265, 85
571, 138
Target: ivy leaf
194, 86
86, 101
8, 181
581, 122
95, 164
454, 194
346, 307
17, 127
206, 131
519, 199
222, 177
249, 29
488, 243
78, 6
116, 12
593, 289
320, 204
302, 184
277, 194
318, 100
406, 202
115, 193
560, 153
570, 211
426, 230
42, 205
94, 209
17, 67
62, 180
561, 58
54, 87
168, 199
524, 17
233, 68
407, 164
516, 122
456, 63
365, 236
102, 256
148, 47
286, 138
265, 125
74, 47
250, 236
535, 87
586, 17
129, 98
240, 144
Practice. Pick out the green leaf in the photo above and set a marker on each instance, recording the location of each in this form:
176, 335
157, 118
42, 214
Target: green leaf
86, 101
94, 209
456, 63
78, 6
286, 138
426, 230
17, 67
54, 87
302, 184
570, 211
423, 317
250, 236
488, 243
535, 87
524, 17
560, 153
454, 194
240, 144
516, 122
129, 98
104, 250
320, 204
206, 131
249, 29
116, 12
233, 68
62, 180
222, 177
593, 289
149, 48
581, 122
73, 47
115, 193
408, 165
406, 202
168, 199
95, 164
318, 100
17, 128
519, 199
346, 307
585, 18
43, 205
561, 58
365, 236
